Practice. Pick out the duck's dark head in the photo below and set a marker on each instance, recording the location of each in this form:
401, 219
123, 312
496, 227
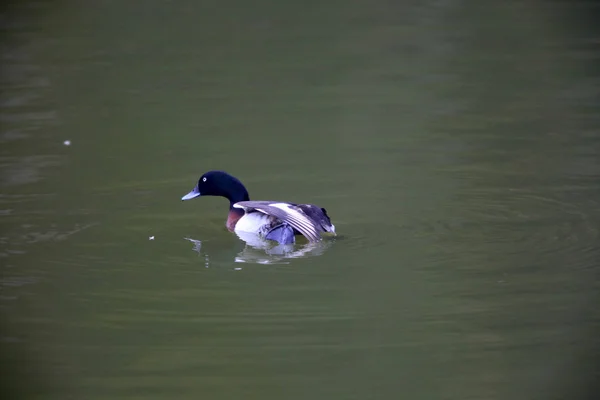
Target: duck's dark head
219, 183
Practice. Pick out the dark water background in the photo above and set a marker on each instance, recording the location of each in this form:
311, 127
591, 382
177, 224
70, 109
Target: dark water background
455, 144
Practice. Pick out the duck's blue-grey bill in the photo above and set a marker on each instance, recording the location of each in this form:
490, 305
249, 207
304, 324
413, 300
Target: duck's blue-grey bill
191, 195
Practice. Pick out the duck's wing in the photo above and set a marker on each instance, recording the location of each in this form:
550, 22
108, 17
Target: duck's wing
293, 214
319, 217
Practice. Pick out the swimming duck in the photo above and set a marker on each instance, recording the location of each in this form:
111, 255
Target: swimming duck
272, 220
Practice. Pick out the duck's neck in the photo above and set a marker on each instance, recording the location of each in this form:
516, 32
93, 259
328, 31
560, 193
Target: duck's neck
240, 194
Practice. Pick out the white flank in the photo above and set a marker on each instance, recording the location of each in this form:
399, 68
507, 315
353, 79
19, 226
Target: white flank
251, 223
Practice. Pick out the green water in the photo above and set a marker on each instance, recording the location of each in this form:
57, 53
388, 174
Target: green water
454, 144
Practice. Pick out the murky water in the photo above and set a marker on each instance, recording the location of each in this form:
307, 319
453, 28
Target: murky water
455, 145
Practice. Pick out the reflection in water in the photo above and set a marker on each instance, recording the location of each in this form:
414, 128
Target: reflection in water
197, 248
260, 251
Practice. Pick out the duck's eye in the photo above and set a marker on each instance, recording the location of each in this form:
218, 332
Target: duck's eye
204, 179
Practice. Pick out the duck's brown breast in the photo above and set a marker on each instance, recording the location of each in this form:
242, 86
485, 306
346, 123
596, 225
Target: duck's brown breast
233, 217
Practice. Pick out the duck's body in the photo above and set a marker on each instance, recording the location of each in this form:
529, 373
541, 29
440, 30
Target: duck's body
273, 220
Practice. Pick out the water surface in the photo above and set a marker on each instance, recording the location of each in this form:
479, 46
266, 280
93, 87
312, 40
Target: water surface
454, 144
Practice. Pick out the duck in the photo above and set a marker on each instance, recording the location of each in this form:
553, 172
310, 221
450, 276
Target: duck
271, 220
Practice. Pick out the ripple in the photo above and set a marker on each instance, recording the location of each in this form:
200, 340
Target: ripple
522, 221
25, 170
16, 281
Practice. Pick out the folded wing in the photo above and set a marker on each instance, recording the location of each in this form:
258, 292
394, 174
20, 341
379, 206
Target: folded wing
293, 214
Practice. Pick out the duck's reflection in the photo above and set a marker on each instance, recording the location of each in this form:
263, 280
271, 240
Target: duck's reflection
198, 249
260, 251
